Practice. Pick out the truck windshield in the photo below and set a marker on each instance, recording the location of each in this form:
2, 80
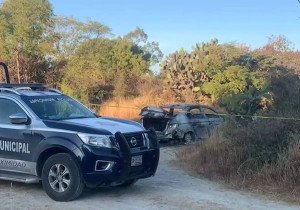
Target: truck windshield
57, 108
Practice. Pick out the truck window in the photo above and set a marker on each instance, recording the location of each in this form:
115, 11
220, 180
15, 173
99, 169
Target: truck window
7, 108
57, 108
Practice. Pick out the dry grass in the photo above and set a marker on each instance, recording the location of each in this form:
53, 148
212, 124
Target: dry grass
214, 158
152, 92
130, 108
261, 156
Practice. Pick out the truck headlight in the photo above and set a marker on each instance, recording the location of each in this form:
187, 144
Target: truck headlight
97, 140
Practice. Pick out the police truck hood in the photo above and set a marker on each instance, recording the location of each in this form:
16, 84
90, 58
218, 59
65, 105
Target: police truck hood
99, 125
112, 125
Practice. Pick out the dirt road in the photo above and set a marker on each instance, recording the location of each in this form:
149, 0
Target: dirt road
171, 188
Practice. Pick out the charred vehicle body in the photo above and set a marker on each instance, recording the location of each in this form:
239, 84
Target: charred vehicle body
183, 122
49, 137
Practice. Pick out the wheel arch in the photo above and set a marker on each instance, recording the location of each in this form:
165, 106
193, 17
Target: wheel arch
186, 129
54, 146
44, 156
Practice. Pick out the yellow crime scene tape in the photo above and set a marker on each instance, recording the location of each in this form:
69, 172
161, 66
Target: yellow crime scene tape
260, 117
219, 114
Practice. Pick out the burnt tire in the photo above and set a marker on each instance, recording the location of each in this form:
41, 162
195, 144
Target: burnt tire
189, 138
61, 178
128, 183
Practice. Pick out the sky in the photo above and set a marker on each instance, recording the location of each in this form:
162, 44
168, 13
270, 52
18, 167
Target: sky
181, 24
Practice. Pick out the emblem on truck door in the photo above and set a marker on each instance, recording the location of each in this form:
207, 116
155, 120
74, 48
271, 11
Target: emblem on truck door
133, 141
14, 146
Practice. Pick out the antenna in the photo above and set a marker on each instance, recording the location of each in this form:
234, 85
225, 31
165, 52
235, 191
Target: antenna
6, 72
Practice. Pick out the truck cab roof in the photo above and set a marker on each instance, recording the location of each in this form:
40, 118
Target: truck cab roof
28, 90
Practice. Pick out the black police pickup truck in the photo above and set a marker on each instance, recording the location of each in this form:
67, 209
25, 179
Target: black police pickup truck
47, 136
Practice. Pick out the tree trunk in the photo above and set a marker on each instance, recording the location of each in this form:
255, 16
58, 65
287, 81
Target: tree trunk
18, 67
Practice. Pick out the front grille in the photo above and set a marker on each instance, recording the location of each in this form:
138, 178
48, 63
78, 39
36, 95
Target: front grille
135, 140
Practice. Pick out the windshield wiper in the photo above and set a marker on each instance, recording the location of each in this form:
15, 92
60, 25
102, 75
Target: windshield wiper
80, 117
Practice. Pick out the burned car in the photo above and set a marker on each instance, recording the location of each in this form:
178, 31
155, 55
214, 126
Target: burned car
181, 122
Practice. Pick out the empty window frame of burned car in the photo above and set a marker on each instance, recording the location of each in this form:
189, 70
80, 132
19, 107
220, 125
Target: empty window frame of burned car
182, 122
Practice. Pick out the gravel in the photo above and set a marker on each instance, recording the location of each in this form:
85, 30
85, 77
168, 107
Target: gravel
171, 188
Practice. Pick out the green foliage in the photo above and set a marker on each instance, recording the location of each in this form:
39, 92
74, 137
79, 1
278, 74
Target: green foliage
104, 62
285, 89
71, 33
80, 57
150, 50
181, 75
24, 36
187, 72
224, 73
24, 24
247, 102
232, 81
238, 89
89, 63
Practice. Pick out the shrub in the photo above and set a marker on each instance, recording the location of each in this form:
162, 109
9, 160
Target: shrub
254, 154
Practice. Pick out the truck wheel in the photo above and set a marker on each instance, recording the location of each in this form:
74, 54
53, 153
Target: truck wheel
61, 178
189, 138
128, 183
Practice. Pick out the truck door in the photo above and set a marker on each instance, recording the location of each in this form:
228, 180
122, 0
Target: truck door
16, 147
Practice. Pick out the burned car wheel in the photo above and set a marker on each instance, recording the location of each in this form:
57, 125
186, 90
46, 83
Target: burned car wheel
61, 178
189, 138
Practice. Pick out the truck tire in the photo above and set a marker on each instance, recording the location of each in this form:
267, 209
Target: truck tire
61, 178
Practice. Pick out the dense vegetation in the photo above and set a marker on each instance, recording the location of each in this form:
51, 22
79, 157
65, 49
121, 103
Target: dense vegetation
253, 152
229, 75
84, 59
88, 62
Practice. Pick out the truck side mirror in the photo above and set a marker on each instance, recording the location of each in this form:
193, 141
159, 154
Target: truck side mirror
19, 119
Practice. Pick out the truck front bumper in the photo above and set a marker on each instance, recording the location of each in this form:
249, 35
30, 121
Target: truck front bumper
122, 168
